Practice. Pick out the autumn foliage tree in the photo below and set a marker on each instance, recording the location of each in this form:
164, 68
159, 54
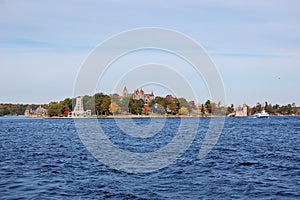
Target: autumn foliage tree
102, 103
114, 108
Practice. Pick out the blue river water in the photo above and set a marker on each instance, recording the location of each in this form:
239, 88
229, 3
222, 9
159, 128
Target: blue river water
253, 159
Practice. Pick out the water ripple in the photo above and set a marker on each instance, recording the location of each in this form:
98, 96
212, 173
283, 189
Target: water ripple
253, 159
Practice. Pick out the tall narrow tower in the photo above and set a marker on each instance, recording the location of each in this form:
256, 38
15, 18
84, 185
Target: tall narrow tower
78, 109
79, 105
125, 92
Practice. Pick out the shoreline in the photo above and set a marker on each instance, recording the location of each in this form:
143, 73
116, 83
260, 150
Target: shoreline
140, 116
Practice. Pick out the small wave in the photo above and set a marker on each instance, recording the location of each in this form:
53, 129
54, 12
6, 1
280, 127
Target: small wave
248, 163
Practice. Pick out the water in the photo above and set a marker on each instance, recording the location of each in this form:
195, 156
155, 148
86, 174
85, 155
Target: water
253, 159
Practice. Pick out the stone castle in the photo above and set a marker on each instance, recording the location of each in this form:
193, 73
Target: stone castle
139, 94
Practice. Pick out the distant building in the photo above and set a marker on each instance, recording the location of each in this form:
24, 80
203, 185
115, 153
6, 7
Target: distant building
39, 112
239, 112
125, 92
78, 111
139, 94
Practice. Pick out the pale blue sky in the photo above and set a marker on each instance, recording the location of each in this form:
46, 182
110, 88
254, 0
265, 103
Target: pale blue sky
254, 44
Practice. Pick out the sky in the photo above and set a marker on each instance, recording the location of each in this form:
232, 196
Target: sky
255, 46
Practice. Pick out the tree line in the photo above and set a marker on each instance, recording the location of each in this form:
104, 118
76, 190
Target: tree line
17, 109
103, 105
289, 109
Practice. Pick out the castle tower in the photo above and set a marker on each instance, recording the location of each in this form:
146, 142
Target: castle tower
125, 92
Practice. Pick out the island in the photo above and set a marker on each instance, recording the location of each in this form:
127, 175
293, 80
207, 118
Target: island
141, 104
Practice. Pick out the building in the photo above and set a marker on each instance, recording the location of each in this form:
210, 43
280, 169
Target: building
239, 112
125, 92
39, 112
139, 94
78, 111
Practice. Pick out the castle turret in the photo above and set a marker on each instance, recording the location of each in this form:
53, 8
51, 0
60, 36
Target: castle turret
125, 92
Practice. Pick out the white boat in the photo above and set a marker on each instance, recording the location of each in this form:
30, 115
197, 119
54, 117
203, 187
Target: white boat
262, 114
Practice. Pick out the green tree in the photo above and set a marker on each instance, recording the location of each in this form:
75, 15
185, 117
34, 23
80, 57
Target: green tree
105, 104
258, 107
66, 103
203, 110
276, 108
230, 109
173, 106
55, 109
161, 101
208, 106
295, 109
4, 110
159, 104
248, 110
102, 103
269, 108
136, 106
289, 109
